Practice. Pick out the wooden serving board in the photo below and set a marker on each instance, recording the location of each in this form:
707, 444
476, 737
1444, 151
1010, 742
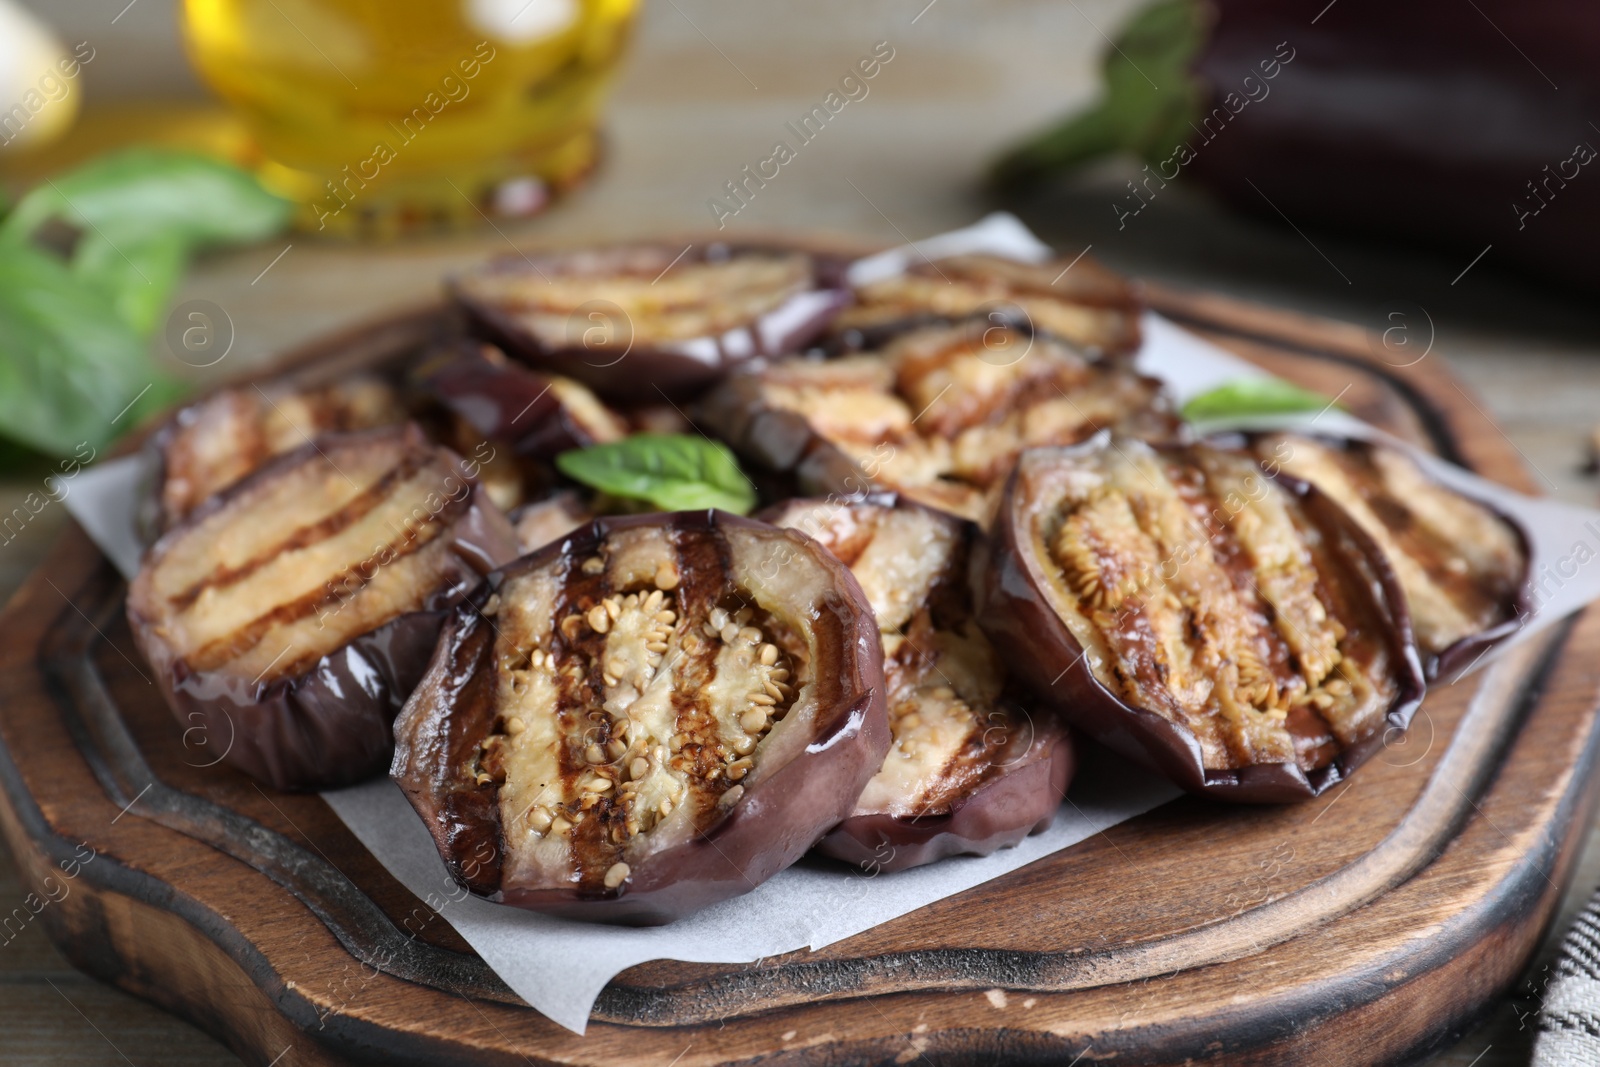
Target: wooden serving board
1368, 926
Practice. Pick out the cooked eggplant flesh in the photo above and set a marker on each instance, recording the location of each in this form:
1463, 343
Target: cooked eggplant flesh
943, 412
641, 690
543, 521
1081, 303
1201, 589
1461, 565
218, 441
661, 300
295, 566
952, 731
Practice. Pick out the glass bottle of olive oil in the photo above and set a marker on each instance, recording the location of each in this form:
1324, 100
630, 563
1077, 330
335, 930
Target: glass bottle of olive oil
382, 116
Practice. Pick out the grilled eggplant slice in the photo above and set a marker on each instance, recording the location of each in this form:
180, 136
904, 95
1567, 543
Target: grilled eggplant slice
537, 415
212, 444
939, 416
1463, 566
543, 521
1079, 302
972, 768
640, 321
1238, 632
650, 715
289, 618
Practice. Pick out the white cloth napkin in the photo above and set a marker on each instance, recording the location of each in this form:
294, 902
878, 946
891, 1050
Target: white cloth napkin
1569, 1013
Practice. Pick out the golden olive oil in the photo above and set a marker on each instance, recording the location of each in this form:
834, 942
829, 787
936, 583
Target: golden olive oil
379, 116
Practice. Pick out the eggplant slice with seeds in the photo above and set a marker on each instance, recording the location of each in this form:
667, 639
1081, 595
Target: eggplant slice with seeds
939, 416
288, 618
1238, 632
212, 444
642, 321
1079, 302
650, 715
1463, 566
972, 768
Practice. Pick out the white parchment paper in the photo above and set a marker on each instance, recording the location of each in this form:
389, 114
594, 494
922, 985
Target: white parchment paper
559, 966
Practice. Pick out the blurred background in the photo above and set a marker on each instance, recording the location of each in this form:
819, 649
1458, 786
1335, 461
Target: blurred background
690, 93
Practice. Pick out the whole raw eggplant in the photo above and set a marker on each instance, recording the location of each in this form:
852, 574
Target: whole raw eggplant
1467, 128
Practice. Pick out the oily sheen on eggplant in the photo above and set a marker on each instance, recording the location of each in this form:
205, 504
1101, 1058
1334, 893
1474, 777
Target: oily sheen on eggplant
652, 714
536, 415
1078, 301
637, 322
1464, 566
973, 768
288, 618
1238, 632
939, 415
213, 443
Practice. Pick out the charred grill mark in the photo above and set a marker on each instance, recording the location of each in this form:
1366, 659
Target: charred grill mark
231, 646
1476, 595
1365, 658
1288, 648
577, 649
1221, 604
949, 603
699, 298
1268, 666
357, 508
477, 854
713, 724
299, 564
704, 561
1455, 585
257, 447
219, 440
345, 586
975, 761
622, 653
912, 564
1094, 309
850, 548
941, 414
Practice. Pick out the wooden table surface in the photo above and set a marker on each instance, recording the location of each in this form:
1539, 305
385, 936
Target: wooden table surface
709, 89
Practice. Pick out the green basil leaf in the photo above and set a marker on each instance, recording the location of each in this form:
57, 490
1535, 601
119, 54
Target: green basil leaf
144, 194
138, 278
1151, 96
673, 472
69, 365
1248, 397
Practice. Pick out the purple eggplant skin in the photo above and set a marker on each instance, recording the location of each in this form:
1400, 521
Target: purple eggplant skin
505, 401
1478, 145
999, 814
1042, 650
330, 724
776, 439
1465, 653
1467, 146
774, 822
676, 369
